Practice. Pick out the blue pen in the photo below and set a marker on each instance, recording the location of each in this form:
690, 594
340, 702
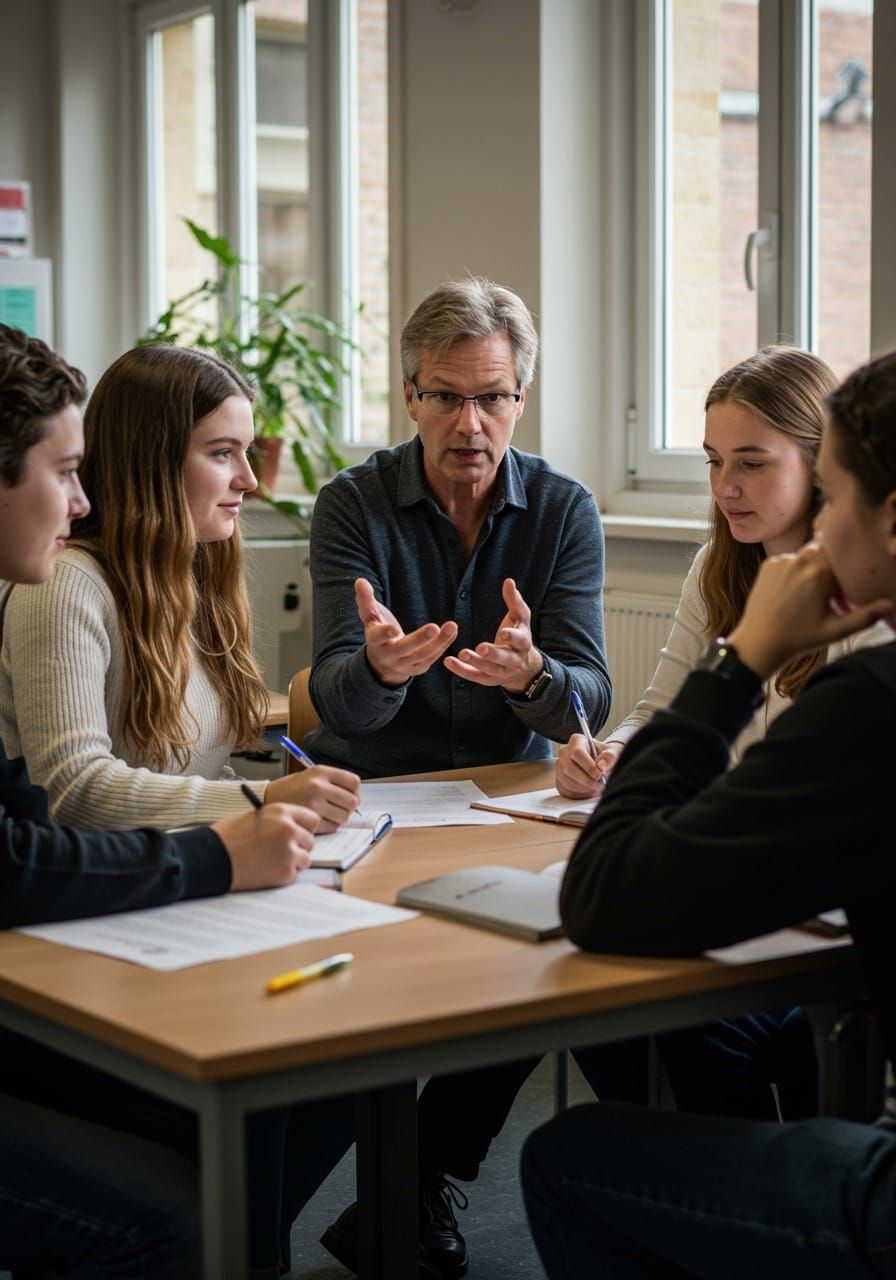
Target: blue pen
303, 758
295, 750
579, 710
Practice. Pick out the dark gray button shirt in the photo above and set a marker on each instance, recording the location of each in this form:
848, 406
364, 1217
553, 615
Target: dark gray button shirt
380, 521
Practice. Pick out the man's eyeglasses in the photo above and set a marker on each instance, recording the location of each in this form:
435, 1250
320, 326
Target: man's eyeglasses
491, 404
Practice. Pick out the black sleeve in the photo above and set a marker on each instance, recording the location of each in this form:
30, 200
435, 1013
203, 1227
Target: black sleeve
681, 855
50, 873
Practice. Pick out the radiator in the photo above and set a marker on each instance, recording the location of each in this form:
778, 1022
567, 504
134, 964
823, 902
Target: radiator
637, 626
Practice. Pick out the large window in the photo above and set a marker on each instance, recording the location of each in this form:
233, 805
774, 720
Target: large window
753, 181
266, 120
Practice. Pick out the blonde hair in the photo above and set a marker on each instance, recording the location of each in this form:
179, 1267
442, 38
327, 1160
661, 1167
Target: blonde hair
173, 593
787, 388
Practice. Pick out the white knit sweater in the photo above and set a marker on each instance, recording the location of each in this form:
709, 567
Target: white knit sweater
62, 695
687, 643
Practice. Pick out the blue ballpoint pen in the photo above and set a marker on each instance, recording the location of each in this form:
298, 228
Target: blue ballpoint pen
579, 710
295, 750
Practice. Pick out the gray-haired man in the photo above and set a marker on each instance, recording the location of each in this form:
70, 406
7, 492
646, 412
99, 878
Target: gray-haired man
457, 604
457, 581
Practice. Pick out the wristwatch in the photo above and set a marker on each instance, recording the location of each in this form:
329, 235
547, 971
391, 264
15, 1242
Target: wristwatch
538, 683
723, 659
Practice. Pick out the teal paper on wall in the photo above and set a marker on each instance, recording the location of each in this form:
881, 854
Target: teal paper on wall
18, 307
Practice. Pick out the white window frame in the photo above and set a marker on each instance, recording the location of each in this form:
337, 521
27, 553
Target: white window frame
332, 64
645, 477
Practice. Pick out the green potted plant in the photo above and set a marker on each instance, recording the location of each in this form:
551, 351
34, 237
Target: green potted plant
292, 356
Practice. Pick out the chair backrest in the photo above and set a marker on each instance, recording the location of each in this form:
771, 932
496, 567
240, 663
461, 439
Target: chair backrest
302, 715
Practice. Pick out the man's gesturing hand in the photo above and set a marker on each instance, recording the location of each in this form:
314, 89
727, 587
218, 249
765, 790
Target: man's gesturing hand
393, 656
512, 661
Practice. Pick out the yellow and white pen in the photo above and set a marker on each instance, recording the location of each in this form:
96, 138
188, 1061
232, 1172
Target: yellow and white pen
320, 969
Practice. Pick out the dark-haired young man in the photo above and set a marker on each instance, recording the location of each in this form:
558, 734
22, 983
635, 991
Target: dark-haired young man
80, 1197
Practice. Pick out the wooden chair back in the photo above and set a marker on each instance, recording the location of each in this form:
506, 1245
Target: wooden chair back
302, 717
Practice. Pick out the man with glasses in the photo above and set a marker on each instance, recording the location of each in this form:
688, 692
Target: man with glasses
457, 604
457, 581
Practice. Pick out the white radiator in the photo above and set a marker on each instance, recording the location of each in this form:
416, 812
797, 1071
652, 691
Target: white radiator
637, 626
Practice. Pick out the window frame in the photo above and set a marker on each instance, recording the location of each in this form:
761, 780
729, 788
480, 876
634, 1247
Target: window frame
333, 229
646, 477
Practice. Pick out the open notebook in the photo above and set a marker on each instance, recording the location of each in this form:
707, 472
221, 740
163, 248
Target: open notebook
546, 806
341, 849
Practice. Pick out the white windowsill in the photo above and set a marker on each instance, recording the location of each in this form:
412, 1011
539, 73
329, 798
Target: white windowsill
655, 528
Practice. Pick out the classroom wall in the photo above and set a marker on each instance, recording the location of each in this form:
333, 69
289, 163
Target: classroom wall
494, 165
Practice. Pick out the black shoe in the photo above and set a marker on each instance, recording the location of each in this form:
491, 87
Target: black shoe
442, 1243
341, 1239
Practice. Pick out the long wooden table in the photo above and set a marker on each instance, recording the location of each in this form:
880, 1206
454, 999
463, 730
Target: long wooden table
421, 997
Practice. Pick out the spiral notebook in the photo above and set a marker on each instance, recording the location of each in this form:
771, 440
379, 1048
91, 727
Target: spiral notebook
341, 849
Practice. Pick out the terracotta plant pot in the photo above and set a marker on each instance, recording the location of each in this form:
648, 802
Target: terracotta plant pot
266, 460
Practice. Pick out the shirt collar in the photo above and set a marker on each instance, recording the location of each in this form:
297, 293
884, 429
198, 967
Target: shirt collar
510, 490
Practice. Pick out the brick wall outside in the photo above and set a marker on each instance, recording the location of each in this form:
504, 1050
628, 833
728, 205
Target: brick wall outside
717, 49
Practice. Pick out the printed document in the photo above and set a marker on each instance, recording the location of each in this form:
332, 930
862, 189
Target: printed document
205, 929
428, 804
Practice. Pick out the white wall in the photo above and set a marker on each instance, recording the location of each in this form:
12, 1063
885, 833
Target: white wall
61, 129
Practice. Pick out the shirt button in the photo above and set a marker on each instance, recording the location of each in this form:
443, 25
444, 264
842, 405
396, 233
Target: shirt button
458, 746
462, 595
460, 682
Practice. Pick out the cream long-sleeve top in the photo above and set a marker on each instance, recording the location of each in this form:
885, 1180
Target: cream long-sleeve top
682, 651
62, 697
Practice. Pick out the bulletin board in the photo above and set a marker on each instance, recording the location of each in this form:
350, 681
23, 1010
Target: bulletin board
26, 296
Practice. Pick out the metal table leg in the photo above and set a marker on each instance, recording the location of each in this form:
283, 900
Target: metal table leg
222, 1126
388, 1211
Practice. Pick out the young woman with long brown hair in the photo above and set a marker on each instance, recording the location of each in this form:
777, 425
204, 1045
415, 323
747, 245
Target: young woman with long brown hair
127, 679
764, 420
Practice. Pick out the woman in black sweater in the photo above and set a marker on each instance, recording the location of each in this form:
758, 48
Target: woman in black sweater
683, 855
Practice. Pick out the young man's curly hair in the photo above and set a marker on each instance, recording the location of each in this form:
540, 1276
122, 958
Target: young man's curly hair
35, 384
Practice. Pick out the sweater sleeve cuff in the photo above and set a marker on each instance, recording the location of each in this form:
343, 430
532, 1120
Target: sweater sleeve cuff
205, 863
710, 699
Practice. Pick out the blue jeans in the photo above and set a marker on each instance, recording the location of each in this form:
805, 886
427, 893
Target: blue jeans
289, 1150
81, 1201
624, 1193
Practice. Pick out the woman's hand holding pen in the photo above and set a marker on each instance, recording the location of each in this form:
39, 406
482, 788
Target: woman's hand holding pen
795, 606
580, 774
393, 656
268, 846
333, 794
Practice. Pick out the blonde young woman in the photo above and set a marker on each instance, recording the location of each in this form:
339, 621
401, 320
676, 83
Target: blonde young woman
764, 420
127, 679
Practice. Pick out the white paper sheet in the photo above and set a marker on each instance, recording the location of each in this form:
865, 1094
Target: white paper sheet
206, 929
429, 804
772, 946
547, 803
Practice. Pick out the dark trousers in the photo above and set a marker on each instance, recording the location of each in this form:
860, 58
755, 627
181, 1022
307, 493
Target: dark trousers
724, 1068
81, 1201
626, 1193
289, 1150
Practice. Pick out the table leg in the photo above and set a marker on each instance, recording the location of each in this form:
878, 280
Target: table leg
222, 1126
388, 1211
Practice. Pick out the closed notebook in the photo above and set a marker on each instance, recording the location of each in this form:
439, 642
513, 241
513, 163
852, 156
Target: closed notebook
506, 899
341, 849
547, 806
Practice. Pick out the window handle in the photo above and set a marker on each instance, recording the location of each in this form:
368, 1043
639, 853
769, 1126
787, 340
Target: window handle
762, 238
